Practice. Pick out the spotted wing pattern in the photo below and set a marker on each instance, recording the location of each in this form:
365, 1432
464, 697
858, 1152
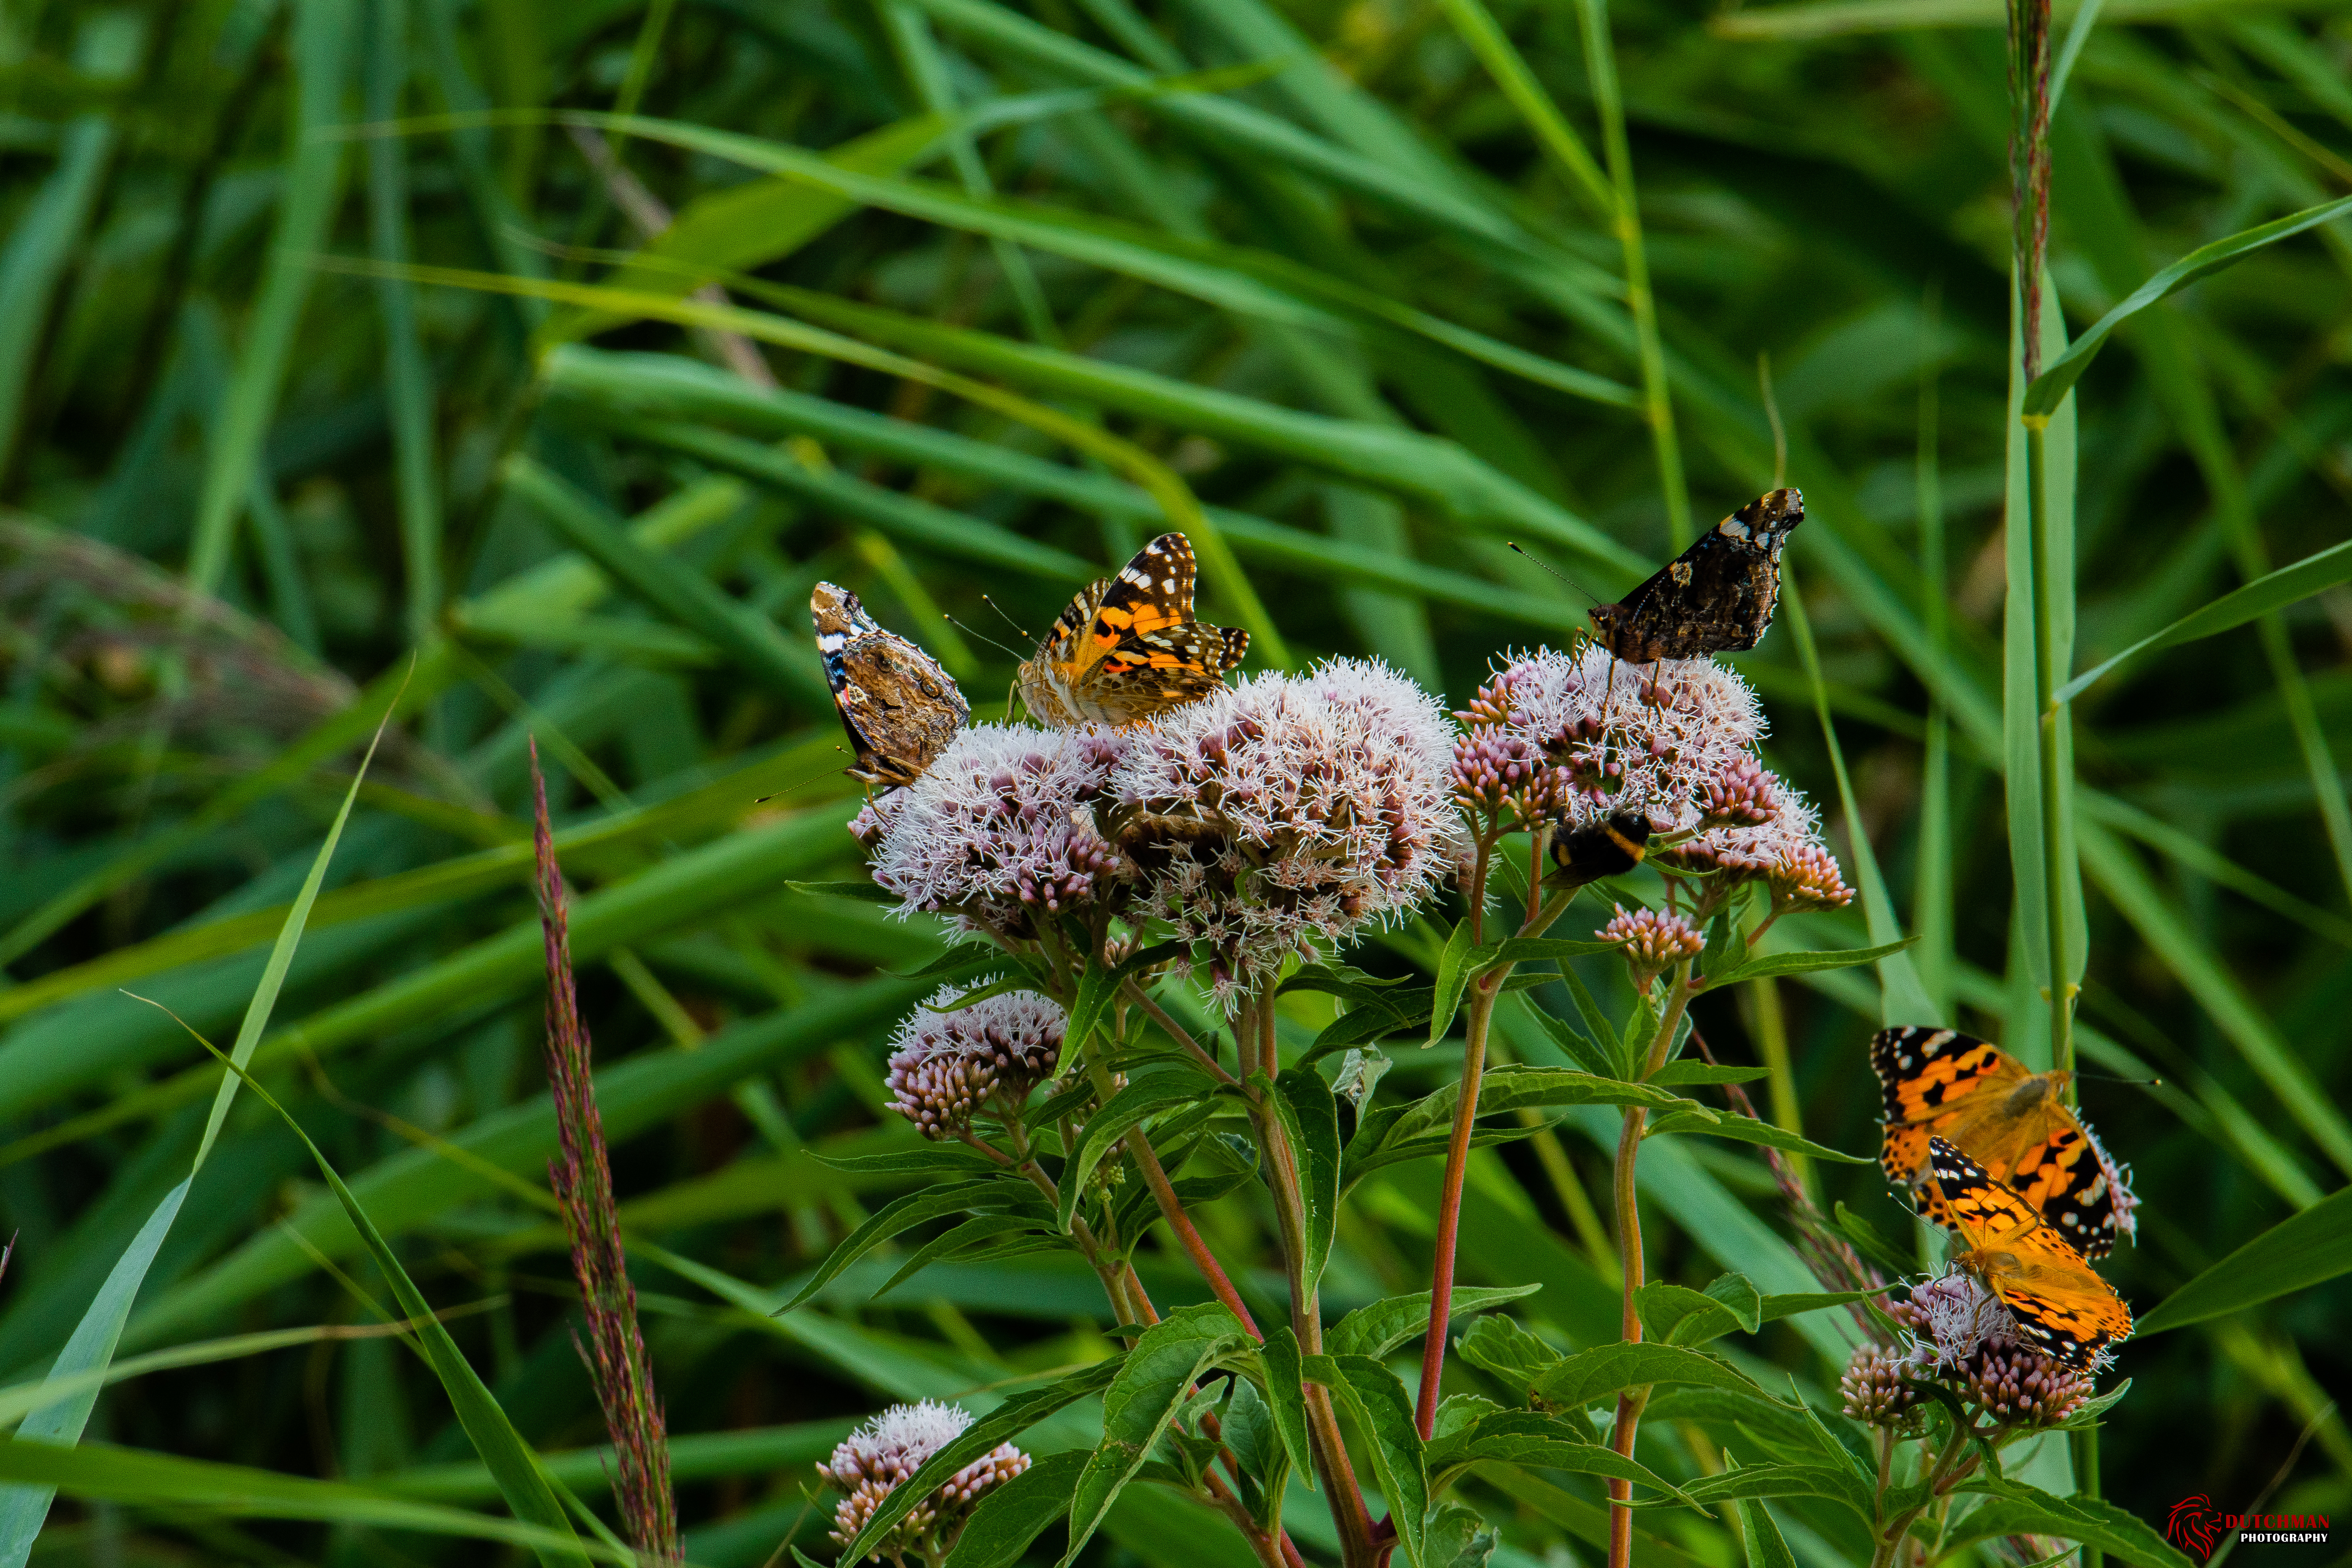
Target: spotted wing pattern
2061, 1306
899, 707
1128, 648
1718, 596
1941, 1083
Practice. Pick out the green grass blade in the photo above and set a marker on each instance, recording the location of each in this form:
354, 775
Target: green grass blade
1901, 999
312, 186
2300, 1251
23, 1510
2062, 373
2314, 574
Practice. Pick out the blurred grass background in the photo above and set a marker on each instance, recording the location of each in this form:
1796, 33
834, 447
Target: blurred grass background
273, 449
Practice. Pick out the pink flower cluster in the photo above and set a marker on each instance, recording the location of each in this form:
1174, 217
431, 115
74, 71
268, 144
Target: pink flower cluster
874, 1460
947, 1063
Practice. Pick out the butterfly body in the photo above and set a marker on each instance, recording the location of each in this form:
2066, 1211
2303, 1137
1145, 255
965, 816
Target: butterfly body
2062, 1307
1941, 1083
1718, 596
900, 709
1128, 647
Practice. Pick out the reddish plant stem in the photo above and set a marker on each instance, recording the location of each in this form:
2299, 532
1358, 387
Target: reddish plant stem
1449, 1204
1164, 1191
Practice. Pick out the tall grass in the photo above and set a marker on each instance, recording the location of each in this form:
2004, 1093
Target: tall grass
518, 368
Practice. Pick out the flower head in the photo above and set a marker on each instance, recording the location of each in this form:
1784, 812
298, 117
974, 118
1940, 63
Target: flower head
1878, 1389
1001, 827
1962, 1334
945, 1064
1616, 736
1286, 811
1654, 942
872, 1462
1753, 827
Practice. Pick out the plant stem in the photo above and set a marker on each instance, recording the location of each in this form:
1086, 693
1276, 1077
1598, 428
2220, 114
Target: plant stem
1332, 1464
1156, 1177
2046, 677
1173, 1030
1890, 1541
1449, 1203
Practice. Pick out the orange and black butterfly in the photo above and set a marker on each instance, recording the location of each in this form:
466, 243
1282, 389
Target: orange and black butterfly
2062, 1308
1128, 647
1941, 1083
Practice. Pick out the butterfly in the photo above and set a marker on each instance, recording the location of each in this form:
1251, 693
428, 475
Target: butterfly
901, 709
1128, 647
1942, 1083
2061, 1306
1718, 596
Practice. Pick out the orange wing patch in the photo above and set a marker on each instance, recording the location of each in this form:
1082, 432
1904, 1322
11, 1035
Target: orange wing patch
1941, 1083
1128, 647
2062, 1307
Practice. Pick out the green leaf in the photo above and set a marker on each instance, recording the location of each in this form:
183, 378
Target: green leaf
1766, 1548
91, 1347
1512, 1355
103, 1472
1578, 1046
1168, 1084
1260, 1456
1377, 1330
1002, 1424
1377, 1398
1460, 1537
1678, 1074
993, 1193
1011, 1516
2314, 574
1605, 1371
2021, 1510
1097, 985
1453, 968
517, 1469
1542, 950
1539, 1440
1750, 1130
1680, 1315
1285, 1395
1871, 1242
2300, 1251
2059, 375
1153, 1381
1514, 1086
957, 960
1834, 1483
1310, 1117
1765, 965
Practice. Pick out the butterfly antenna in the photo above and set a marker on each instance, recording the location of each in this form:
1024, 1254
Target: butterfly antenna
794, 788
984, 637
1772, 413
2132, 1082
1553, 570
1016, 625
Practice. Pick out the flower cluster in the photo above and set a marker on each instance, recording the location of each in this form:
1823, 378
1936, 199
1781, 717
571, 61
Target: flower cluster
1001, 827
1569, 738
1654, 942
874, 1460
1960, 1334
946, 1064
1281, 814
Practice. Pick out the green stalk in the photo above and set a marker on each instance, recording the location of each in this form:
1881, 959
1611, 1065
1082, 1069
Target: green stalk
2045, 676
1657, 405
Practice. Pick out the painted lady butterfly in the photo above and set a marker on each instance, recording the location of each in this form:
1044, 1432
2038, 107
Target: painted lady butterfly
2061, 1306
899, 707
1718, 596
1129, 647
1942, 1083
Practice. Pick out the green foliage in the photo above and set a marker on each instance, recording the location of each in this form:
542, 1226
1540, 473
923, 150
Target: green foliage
302, 423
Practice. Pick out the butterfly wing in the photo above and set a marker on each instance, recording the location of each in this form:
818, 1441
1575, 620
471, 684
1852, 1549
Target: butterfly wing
899, 708
1129, 647
2059, 1304
1932, 1080
1718, 596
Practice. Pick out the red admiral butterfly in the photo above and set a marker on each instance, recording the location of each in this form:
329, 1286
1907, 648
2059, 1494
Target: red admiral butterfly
1718, 596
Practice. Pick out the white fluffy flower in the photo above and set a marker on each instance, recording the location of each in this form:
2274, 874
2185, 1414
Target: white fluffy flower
1286, 812
1001, 827
945, 1064
1618, 737
873, 1460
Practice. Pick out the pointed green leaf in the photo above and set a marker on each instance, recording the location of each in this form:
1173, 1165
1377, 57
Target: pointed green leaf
1454, 966
2300, 1251
1153, 1381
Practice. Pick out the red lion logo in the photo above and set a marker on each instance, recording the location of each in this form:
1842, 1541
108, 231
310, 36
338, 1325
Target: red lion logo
2193, 1526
